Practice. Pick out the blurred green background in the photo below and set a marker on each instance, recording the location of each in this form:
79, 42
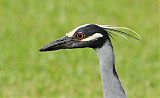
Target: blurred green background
26, 25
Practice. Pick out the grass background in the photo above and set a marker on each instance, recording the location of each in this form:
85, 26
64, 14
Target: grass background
26, 25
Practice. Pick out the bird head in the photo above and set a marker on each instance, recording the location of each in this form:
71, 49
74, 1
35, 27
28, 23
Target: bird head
88, 35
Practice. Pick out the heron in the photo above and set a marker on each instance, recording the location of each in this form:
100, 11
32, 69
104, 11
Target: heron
97, 37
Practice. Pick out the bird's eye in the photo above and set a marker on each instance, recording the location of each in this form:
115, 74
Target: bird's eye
79, 35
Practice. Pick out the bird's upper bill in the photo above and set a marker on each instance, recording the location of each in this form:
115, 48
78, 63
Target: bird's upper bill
88, 35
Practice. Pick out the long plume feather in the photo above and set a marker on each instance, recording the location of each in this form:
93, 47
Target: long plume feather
114, 29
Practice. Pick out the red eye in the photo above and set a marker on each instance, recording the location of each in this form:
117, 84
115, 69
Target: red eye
80, 35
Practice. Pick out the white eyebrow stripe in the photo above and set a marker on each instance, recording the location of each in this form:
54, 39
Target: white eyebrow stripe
92, 37
71, 33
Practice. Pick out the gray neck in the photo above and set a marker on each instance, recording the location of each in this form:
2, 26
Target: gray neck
112, 87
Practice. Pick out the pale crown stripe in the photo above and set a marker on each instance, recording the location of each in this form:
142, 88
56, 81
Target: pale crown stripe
71, 33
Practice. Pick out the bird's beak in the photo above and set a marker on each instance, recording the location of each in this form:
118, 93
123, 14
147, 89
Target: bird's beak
62, 43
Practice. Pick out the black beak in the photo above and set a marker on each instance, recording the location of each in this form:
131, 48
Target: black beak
62, 43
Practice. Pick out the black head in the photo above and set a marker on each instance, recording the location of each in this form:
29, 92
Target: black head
89, 35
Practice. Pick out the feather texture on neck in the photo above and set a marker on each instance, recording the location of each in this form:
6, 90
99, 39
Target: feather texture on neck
111, 85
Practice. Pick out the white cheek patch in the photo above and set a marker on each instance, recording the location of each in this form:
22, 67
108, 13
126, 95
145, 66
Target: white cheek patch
71, 33
93, 37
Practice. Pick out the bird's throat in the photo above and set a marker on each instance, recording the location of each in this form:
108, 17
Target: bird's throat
112, 87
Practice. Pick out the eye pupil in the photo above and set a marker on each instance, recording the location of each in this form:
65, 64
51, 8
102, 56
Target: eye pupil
80, 36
